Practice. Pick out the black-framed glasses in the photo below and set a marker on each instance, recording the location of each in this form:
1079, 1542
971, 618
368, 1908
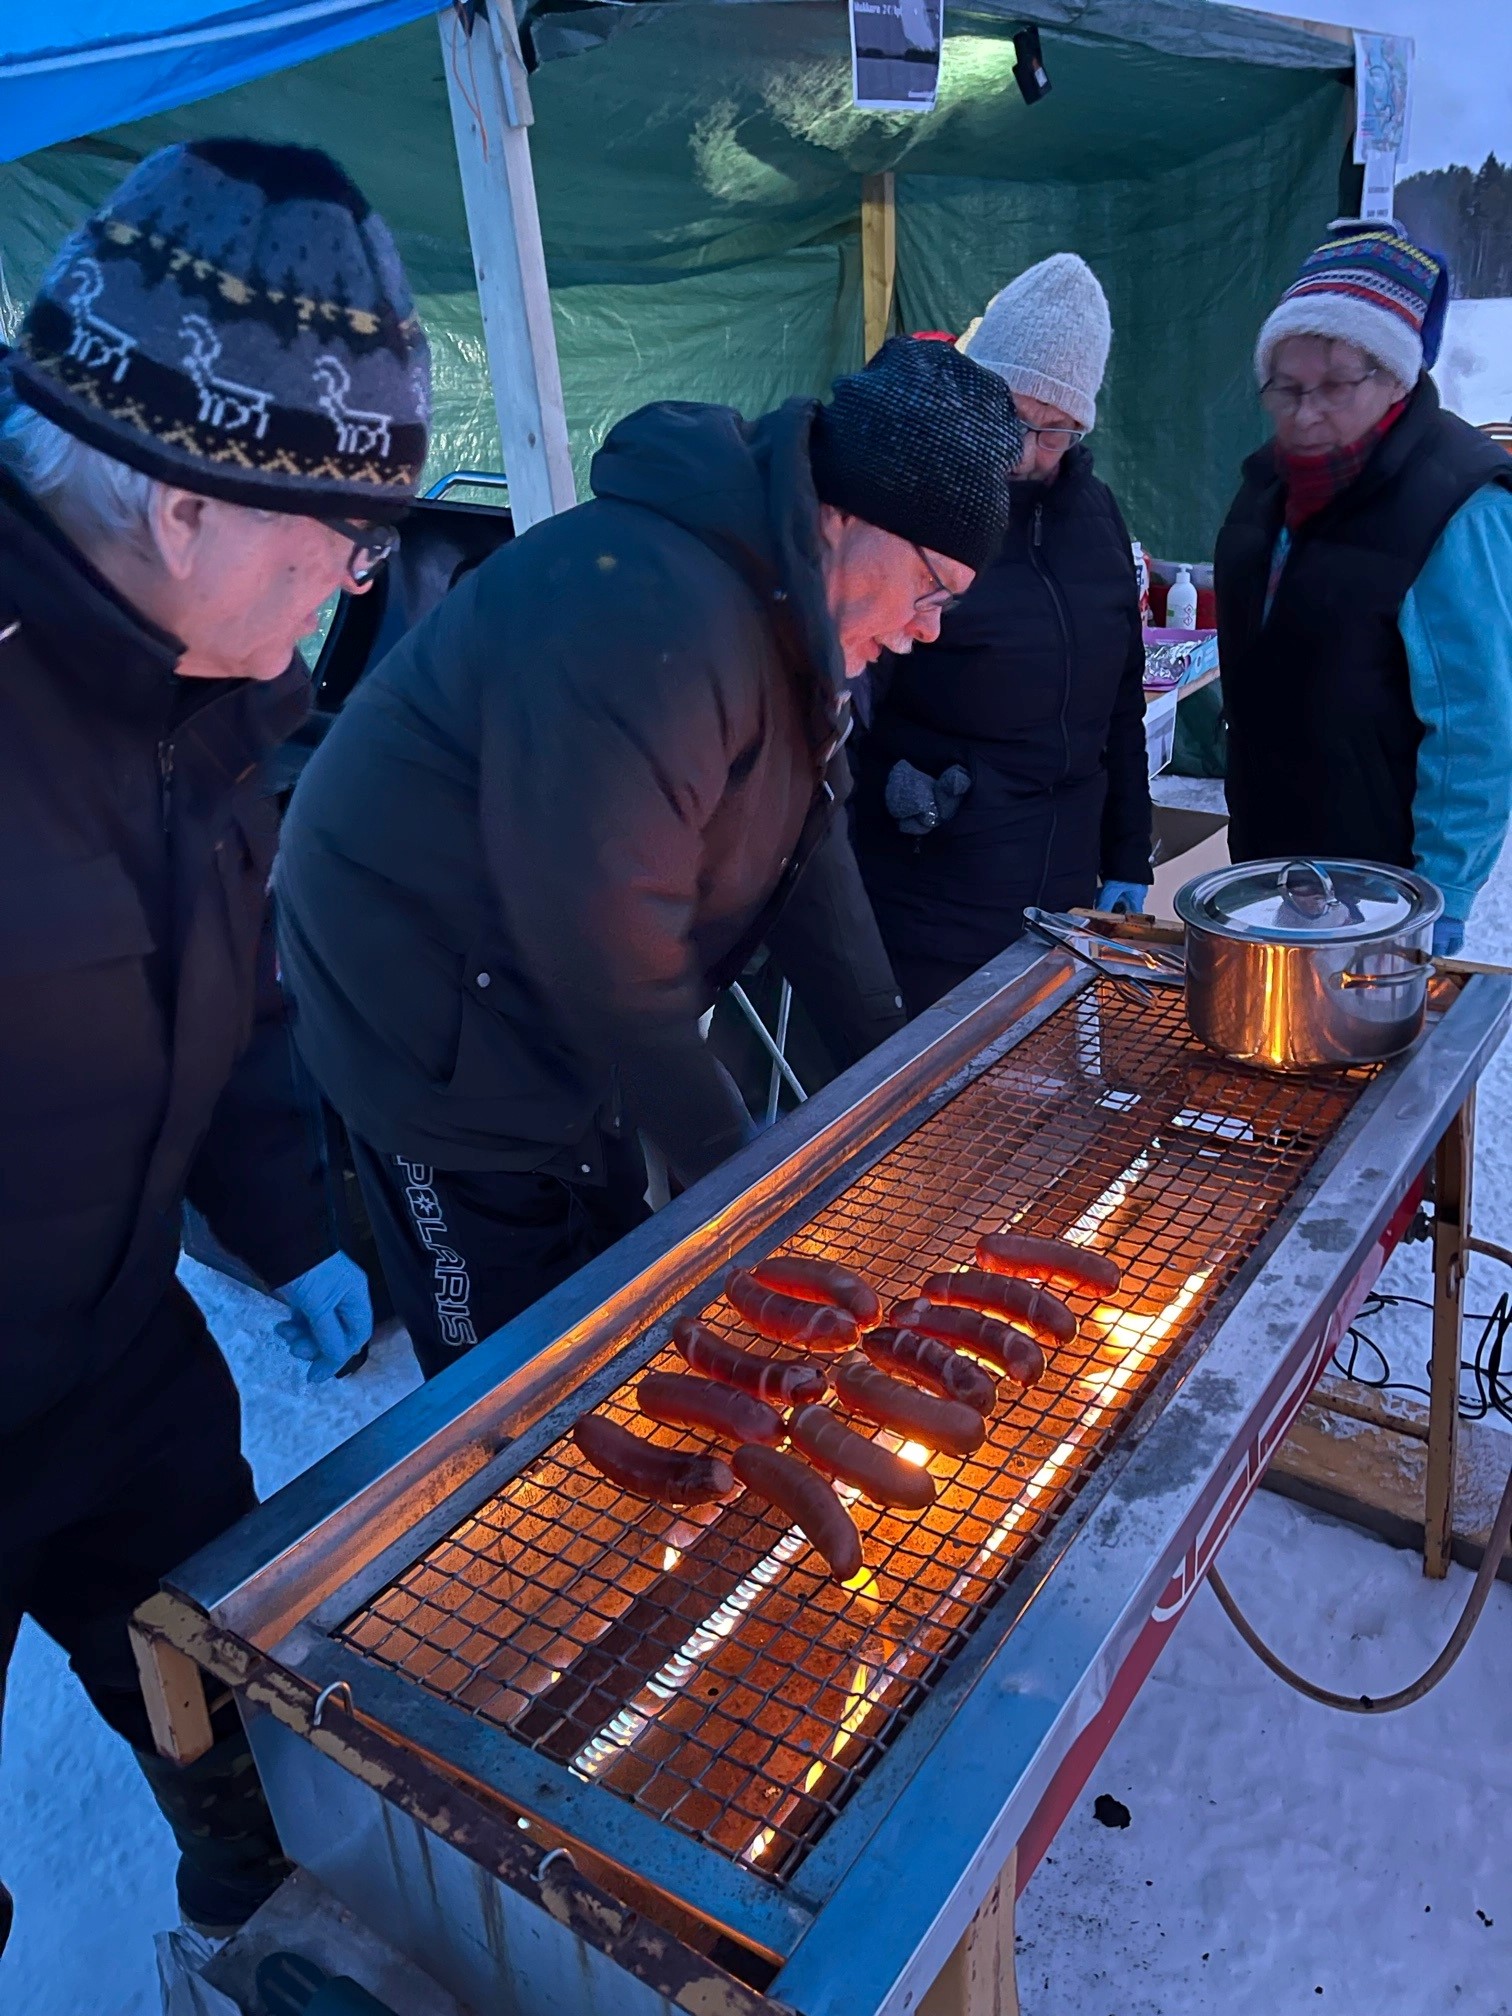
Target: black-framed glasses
1281, 397
941, 597
1057, 439
372, 547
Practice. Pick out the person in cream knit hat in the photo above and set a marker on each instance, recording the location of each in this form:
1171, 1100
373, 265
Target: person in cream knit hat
1005, 764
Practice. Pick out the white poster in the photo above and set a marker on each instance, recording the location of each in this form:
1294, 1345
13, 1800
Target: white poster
1383, 95
895, 54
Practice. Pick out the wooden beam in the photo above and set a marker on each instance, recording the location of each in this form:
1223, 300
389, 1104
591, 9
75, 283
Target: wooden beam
879, 259
1453, 1163
1362, 1456
980, 1977
491, 115
172, 1686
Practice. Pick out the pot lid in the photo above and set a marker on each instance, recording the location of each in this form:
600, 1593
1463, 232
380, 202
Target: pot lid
1305, 901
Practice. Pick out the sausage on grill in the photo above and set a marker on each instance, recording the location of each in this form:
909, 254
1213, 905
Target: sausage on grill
1053, 1260
787, 1320
855, 1459
680, 1400
1046, 1319
665, 1476
999, 1343
821, 1281
782, 1382
933, 1365
862, 1389
801, 1495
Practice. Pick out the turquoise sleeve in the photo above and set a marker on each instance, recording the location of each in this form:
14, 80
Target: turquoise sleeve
1456, 623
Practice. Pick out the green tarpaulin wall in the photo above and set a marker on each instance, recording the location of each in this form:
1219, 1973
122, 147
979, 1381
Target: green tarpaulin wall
699, 174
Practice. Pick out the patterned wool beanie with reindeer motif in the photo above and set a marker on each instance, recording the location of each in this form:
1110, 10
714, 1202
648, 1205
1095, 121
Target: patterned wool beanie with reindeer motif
236, 321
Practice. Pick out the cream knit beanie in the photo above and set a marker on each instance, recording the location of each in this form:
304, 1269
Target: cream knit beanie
1047, 334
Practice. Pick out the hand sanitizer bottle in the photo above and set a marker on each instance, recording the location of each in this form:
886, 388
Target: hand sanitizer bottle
1181, 603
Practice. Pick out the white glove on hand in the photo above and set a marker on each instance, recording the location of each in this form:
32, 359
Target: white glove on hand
332, 1316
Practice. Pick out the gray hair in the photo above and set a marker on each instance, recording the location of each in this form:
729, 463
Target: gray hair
92, 496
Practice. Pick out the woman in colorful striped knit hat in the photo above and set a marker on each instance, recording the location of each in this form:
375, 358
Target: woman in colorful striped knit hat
1364, 583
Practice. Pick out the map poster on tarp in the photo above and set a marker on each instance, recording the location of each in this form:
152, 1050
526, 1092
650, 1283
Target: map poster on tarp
895, 54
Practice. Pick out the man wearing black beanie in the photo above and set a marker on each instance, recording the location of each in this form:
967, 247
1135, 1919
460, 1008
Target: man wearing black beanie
564, 811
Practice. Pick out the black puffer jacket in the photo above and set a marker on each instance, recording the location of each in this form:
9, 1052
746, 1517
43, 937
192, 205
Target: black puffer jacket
569, 804
1036, 688
135, 845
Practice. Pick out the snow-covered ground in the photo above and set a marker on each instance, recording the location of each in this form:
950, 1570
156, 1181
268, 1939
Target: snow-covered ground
1280, 1857
1474, 369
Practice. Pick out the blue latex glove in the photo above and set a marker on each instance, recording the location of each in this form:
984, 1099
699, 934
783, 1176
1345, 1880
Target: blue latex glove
332, 1315
1128, 896
1448, 937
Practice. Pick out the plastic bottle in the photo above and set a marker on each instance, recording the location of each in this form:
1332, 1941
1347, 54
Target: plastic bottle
1181, 603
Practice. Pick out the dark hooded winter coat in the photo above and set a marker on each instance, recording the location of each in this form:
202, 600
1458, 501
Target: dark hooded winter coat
141, 1062
566, 808
1036, 689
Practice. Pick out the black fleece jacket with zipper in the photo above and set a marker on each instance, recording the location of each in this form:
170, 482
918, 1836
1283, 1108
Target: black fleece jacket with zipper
1036, 688
146, 1058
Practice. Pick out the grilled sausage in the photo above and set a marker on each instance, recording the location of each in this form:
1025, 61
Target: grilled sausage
804, 1497
999, 1343
780, 1381
1046, 1319
821, 1281
855, 1459
939, 1424
933, 1365
682, 1401
1052, 1260
787, 1320
665, 1476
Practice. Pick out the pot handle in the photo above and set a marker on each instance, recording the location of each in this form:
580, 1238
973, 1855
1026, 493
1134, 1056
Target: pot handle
1412, 976
1309, 898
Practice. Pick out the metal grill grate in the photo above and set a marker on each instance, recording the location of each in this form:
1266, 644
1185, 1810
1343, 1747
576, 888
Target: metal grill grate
702, 1664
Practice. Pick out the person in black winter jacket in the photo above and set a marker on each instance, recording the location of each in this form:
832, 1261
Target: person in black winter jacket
566, 808
176, 500
1005, 765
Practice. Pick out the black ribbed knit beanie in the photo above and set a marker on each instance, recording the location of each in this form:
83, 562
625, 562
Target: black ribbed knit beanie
921, 443
236, 321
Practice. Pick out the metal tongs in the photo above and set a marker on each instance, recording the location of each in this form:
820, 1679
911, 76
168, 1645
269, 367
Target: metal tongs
1131, 965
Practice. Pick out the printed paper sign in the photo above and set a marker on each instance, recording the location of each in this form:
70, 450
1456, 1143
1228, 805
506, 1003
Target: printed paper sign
895, 54
1383, 95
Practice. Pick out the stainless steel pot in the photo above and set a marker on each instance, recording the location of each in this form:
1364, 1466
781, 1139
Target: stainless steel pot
1304, 965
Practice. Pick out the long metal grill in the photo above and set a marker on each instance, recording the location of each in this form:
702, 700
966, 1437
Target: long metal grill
704, 1665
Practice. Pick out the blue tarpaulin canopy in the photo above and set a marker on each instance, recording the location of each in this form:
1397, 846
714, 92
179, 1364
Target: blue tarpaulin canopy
66, 71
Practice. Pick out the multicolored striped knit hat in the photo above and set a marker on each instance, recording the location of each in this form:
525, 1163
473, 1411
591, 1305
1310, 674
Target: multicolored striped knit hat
1370, 285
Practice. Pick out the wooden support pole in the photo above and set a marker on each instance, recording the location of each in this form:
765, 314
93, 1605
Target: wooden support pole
980, 1977
491, 115
879, 259
1453, 1163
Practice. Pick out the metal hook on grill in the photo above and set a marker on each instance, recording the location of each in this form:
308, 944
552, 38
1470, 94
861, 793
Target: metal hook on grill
326, 1694
554, 1855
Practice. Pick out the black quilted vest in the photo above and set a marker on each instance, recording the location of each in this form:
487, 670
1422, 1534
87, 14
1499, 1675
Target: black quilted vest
1322, 751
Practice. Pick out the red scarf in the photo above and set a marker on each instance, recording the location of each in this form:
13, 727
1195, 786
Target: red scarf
1313, 481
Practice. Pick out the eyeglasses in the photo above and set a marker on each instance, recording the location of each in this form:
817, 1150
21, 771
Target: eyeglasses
1281, 397
942, 598
1057, 439
372, 546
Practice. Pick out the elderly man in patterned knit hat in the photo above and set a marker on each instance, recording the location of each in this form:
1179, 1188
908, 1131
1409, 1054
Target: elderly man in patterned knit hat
216, 407
1364, 583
